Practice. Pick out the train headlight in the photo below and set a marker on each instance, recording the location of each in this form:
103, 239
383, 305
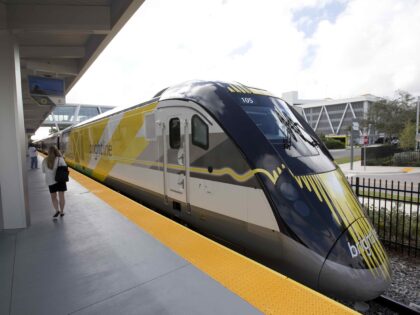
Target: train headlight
302, 208
288, 191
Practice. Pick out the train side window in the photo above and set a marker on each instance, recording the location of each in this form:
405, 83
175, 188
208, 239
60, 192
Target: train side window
175, 133
200, 132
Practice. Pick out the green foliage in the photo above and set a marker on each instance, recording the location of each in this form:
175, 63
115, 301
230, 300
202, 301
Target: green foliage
381, 155
391, 116
333, 144
394, 226
346, 159
408, 136
410, 163
386, 161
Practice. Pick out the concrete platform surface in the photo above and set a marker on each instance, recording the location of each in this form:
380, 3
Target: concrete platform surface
95, 261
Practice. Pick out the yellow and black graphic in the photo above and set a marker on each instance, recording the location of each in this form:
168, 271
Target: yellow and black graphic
333, 189
88, 149
242, 89
100, 149
273, 176
240, 178
90, 142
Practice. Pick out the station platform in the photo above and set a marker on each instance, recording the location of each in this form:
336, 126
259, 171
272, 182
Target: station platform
111, 255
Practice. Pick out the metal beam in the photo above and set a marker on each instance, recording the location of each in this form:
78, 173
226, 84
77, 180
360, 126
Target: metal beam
342, 118
63, 67
304, 115
329, 120
352, 111
52, 52
59, 18
319, 117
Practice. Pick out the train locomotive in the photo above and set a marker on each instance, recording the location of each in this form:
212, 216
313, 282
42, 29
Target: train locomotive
240, 164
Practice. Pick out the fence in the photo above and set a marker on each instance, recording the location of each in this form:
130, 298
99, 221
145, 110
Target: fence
394, 211
406, 157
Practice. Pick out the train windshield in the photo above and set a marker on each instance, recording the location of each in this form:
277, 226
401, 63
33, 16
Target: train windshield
279, 125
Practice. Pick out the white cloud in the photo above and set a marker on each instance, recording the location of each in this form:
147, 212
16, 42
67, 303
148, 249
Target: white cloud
371, 48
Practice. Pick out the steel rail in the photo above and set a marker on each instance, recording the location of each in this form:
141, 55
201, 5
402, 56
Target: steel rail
395, 306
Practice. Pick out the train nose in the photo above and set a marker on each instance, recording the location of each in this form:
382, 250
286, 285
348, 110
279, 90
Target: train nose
357, 267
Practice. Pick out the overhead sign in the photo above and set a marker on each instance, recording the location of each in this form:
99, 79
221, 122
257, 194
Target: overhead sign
355, 125
46, 91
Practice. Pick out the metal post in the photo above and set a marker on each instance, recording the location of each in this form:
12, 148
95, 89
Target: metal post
364, 156
351, 147
357, 186
417, 125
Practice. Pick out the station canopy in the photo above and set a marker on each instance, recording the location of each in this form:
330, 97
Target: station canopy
58, 40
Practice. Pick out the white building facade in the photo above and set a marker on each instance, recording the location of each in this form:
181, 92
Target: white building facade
334, 117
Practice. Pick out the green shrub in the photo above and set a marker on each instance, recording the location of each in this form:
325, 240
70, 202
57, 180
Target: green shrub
333, 144
386, 161
395, 226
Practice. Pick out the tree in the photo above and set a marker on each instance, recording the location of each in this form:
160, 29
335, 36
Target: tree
391, 116
408, 136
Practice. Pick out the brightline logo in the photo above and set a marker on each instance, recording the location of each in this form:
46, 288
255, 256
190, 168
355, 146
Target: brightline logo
100, 149
364, 245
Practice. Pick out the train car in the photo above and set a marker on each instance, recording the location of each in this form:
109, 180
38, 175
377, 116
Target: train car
240, 164
42, 145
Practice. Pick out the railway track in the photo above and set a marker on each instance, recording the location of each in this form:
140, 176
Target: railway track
395, 306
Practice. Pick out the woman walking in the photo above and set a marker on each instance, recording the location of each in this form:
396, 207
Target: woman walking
49, 167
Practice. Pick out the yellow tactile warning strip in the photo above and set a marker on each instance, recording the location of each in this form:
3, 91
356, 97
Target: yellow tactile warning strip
407, 169
265, 289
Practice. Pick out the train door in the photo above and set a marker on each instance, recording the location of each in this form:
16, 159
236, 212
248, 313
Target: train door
175, 144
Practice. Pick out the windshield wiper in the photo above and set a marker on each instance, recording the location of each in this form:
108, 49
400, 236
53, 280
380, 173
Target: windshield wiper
295, 128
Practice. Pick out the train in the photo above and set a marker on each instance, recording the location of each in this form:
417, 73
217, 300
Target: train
241, 165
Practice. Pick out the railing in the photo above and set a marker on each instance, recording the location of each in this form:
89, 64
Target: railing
405, 157
394, 211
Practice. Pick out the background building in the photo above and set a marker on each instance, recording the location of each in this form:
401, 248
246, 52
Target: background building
64, 116
334, 117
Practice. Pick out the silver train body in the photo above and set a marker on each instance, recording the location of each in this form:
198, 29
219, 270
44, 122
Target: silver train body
241, 165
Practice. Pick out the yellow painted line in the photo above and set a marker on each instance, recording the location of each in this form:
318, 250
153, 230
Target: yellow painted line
407, 169
265, 289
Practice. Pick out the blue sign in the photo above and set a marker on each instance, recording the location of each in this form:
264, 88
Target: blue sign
46, 86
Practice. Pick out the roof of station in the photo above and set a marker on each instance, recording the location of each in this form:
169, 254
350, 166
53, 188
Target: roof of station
60, 39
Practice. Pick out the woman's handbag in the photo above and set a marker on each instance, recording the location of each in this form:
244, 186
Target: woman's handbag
62, 173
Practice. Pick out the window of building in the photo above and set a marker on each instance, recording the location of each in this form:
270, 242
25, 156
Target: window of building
62, 113
105, 109
87, 112
200, 133
175, 133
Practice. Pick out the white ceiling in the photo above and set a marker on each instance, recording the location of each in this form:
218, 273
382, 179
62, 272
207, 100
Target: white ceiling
60, 39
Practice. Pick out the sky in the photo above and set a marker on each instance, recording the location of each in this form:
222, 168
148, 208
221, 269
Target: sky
320, 48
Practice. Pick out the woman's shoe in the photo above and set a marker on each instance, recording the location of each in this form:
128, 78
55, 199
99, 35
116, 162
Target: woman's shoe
56, 214
62, 214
